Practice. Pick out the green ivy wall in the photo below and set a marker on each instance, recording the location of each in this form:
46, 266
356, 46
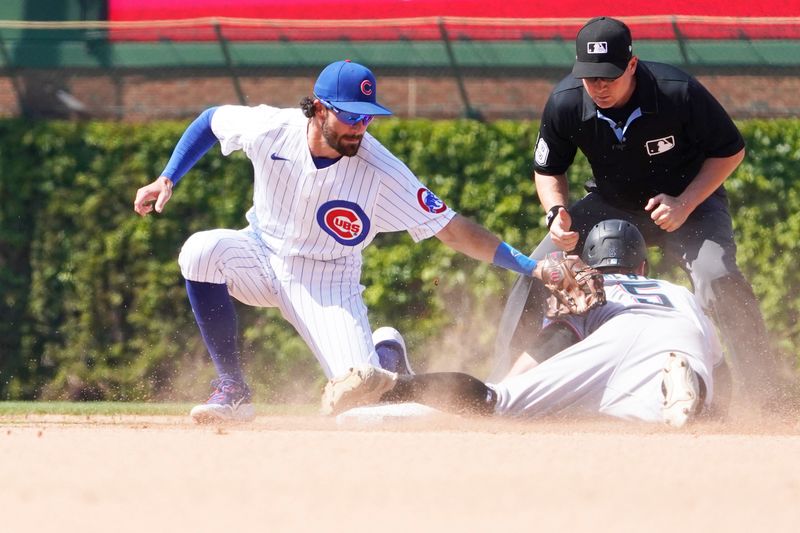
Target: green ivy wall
92, 304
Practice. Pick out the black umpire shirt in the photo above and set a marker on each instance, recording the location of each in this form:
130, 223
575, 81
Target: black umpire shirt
656, 143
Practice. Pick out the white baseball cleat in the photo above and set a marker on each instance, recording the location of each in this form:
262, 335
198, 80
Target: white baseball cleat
681, 390
396, 358
360, 386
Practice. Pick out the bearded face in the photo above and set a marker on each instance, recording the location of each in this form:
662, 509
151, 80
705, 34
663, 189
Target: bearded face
343, 138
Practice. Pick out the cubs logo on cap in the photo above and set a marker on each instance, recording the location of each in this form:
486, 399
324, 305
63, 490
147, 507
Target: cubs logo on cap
430, 202
345, 221
366, 88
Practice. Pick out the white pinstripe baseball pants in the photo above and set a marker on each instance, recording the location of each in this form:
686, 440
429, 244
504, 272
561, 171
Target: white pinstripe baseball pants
321, 299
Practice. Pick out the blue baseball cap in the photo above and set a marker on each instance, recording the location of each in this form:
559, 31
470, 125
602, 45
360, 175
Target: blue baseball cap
350, 87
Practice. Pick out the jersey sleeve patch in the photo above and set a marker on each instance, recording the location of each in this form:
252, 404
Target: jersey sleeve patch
345, 221
429, 202
542, 151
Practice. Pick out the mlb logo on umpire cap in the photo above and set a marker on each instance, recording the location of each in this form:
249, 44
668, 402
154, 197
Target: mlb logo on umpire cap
594, 47
602, 49
350, 87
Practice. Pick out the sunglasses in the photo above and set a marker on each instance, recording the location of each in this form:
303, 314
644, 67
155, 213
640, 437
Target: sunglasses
351, 119
598, 80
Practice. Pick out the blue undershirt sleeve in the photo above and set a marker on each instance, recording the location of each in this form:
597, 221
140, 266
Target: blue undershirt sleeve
507, 256
193, 144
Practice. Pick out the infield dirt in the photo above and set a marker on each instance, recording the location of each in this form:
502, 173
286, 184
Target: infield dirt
126, 473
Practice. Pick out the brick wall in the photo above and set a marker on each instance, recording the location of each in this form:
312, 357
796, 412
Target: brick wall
160, 94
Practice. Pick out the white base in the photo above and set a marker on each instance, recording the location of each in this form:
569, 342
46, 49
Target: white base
385, 412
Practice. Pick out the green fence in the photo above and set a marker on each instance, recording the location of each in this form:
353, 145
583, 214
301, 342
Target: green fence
87, 45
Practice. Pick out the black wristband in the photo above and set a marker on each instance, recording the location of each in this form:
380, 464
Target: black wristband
551, 215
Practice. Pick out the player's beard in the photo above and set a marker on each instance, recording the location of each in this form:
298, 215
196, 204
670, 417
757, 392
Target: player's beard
334, 140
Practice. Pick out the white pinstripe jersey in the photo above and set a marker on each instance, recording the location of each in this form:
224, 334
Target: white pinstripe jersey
639, 294
323, 214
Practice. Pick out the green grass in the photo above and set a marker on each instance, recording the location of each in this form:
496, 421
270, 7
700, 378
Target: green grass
125, 408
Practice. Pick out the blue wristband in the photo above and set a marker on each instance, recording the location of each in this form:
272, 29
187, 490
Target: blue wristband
508, 257
193, 144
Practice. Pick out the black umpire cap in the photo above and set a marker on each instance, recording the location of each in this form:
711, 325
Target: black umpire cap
603, 48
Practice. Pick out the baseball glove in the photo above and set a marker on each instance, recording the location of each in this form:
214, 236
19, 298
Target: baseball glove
575, 286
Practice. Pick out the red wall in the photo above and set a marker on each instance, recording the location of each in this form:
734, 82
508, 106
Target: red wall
370, 10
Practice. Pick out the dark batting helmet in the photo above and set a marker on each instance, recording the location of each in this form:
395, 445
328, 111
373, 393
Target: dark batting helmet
615, 244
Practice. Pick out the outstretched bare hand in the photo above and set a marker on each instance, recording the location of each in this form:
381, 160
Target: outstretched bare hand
159, 191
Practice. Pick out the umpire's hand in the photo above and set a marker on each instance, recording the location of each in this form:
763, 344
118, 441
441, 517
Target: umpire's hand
669, 213
560, 231
160, 191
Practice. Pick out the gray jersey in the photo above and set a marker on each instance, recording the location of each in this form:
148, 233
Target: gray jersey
616, 368
659, 298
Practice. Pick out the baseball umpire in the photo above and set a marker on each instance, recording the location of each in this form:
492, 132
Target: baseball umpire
324, 188
660, 147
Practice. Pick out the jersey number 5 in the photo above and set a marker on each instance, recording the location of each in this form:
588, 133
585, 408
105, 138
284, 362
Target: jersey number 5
642, 293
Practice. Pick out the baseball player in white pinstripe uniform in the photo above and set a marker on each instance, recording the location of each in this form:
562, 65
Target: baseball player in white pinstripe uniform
324, 188
648, 354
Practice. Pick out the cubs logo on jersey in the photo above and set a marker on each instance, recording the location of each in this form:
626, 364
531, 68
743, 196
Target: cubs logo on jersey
430, 202
345, 221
